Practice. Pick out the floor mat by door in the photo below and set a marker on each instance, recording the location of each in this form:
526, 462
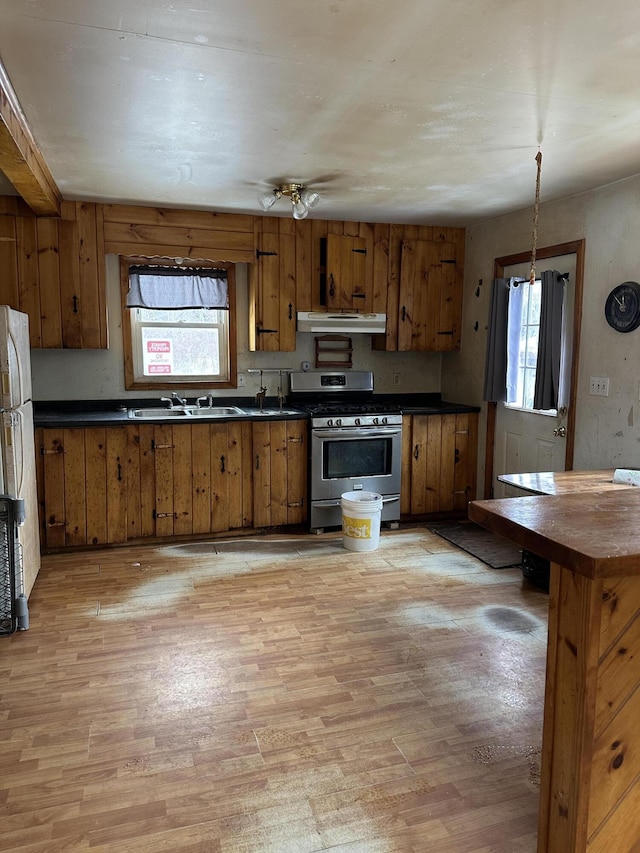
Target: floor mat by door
493, 550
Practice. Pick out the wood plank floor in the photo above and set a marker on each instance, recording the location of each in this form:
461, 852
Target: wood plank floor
271, 695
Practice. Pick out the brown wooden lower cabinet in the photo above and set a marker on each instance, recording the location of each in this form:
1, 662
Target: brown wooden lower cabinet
279, 473
102, 486
439, 454
82, 486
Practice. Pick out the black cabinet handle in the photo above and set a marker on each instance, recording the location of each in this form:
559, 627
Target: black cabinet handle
75, 304
257, 462
456, 456
332, 288
290, 311
119, 471
416, 451
222, 465
404, 313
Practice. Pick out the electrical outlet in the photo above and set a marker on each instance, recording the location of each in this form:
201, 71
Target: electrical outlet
396, 378
241, 380
599, 386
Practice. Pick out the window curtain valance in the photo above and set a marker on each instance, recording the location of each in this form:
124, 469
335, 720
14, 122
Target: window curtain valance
172, 288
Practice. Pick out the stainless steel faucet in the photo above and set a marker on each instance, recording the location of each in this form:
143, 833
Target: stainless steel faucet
174, 400
208, 398
281, 394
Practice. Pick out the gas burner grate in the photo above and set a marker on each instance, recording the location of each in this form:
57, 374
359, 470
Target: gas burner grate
321, 409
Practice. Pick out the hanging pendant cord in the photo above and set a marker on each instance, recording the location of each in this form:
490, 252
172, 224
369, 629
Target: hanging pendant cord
536, 207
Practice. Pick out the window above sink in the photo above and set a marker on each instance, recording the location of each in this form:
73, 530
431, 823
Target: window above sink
178, 342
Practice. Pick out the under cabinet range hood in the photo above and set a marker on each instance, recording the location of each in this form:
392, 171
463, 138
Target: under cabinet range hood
342, 322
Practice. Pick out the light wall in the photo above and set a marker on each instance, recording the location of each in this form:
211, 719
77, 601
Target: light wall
99, 374
608, 219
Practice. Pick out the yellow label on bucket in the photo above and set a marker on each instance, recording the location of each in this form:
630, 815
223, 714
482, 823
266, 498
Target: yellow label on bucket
356, 528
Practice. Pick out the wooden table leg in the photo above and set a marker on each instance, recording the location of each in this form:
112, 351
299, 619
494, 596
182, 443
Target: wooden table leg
590, 787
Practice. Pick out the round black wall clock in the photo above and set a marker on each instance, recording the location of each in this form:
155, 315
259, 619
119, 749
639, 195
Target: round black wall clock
622, 308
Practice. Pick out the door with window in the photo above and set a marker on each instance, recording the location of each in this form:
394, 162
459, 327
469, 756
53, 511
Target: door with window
529, 439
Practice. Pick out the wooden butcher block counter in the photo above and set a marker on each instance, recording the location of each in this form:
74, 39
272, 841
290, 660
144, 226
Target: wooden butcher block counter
590, 786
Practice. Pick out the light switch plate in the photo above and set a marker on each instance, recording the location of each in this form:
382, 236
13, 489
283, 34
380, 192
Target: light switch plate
599, 386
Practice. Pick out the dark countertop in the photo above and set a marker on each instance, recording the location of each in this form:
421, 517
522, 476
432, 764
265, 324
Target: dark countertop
443, 408
86, 413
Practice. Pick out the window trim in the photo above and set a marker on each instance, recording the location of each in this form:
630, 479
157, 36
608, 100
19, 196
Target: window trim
130, 382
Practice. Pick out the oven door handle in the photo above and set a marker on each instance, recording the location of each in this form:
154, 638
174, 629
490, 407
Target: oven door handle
351, 432
338, 502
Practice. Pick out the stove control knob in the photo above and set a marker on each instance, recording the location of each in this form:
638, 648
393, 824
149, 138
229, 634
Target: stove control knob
385, 421
330, 422
357, 421
376, 422
339, 422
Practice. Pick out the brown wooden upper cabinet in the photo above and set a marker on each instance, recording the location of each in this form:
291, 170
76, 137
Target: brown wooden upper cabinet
430, 303
272, 286
53, 270
349, 282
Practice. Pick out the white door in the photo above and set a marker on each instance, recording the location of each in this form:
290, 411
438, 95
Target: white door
530, 441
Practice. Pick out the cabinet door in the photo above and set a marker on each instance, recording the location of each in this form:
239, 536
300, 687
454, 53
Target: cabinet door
106, 510
163, 512
279, 476
426, 464
83, 489
430, 297
465, 460
230, 477
296, 472
439, 455
201, 479
53, 270
273, 294
348, 285
140, 477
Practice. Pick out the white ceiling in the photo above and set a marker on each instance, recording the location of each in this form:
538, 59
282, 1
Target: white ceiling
425, 111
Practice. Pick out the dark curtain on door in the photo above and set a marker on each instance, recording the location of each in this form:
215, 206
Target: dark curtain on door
545, 395
495, 369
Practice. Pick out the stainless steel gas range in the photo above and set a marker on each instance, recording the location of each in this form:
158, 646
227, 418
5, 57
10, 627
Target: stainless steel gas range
356, 443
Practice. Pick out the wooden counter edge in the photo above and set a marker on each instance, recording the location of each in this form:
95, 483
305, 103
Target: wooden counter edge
481, 513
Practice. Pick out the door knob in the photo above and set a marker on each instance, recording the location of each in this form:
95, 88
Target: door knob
560, 431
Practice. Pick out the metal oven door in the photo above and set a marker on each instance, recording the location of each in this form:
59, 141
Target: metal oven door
350, 459
355, 458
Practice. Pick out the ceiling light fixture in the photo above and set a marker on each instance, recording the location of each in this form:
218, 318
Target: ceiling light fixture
302, 199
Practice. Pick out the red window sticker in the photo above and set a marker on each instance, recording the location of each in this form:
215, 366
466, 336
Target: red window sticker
158, 346
159, 368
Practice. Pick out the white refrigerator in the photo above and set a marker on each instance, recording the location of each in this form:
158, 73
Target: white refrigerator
17, 440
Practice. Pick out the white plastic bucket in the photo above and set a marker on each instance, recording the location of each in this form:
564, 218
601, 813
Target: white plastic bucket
361, 512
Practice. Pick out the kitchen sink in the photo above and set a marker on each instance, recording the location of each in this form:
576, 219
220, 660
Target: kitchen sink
214, 411
154, 414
